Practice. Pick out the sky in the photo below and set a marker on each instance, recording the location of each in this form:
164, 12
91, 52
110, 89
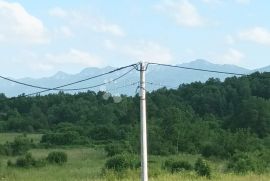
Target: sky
40, 38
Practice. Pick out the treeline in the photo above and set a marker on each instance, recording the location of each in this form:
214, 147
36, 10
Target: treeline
214, 118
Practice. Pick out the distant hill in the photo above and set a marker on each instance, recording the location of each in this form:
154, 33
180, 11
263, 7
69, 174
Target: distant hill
264, 69
171, 77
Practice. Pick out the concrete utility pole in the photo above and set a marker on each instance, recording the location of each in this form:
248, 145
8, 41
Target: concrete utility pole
144, 164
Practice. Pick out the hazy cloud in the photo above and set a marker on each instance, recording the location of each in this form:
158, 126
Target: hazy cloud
142, 51
257, 34
18, 26
232, 56
94, 23
182, 11
75, 57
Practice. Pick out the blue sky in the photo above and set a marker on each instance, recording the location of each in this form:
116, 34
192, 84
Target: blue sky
39, 38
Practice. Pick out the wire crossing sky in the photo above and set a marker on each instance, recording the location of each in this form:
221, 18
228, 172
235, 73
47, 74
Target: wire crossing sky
38, 39
134, 66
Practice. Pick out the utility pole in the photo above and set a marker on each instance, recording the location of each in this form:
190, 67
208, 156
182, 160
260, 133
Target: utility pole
144, 164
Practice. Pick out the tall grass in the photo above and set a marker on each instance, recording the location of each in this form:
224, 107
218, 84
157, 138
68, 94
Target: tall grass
86, 164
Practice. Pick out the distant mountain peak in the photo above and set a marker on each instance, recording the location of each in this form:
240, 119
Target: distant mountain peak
200, 61
60, 75
157, 74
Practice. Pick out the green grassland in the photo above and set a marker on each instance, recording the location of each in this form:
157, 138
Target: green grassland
9, 137
86, 163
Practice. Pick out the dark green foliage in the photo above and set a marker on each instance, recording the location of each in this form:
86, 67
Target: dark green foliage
115, 149
122, 162
241, 163
19, 146
117, 163
202, 168
68, 138
258, 162
226, 143
57, 157
215, 118
9, 163
26, 162
177, 166
103, 132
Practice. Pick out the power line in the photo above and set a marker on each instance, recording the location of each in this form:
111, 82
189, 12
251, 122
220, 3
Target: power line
22, 83
122, 87
98, 85
45, 89
197, 69
160, 85
83, 80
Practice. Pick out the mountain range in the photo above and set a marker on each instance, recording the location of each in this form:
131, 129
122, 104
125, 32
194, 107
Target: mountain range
156, 77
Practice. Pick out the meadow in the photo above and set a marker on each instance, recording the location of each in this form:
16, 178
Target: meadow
87, 163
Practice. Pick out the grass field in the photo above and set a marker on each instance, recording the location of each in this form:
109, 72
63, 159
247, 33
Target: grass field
85, 164
8, 137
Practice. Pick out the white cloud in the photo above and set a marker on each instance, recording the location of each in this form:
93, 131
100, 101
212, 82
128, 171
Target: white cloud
58, 12
78, 19
257, 34
18, 26
105, 27
142, 51
183, 11
232, 56
74, 57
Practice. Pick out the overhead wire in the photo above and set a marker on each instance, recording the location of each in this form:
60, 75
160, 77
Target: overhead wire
45, 89
197, 69
160, 85
98, 85
124, 86
135, 66
22, 83
83, 80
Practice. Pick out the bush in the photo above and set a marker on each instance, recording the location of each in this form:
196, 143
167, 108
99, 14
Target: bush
19, 146
117, 163
67, 138
202, 168
114, 149
177, 166
122, 162
241, 163
57, 157
25, 162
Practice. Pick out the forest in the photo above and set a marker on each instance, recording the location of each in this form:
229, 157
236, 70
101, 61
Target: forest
222, 120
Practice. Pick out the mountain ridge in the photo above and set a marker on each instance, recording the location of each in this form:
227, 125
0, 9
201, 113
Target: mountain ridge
172, 77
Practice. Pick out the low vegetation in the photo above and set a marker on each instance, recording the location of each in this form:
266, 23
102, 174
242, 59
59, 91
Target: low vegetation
216, 122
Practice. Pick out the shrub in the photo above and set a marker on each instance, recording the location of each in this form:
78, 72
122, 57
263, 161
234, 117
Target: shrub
117, 163
202, 168
114, 149
177, 166
67, 138
25, 162
9, 163
57, 157
19, 146
241, 163
122, 162
209, 150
